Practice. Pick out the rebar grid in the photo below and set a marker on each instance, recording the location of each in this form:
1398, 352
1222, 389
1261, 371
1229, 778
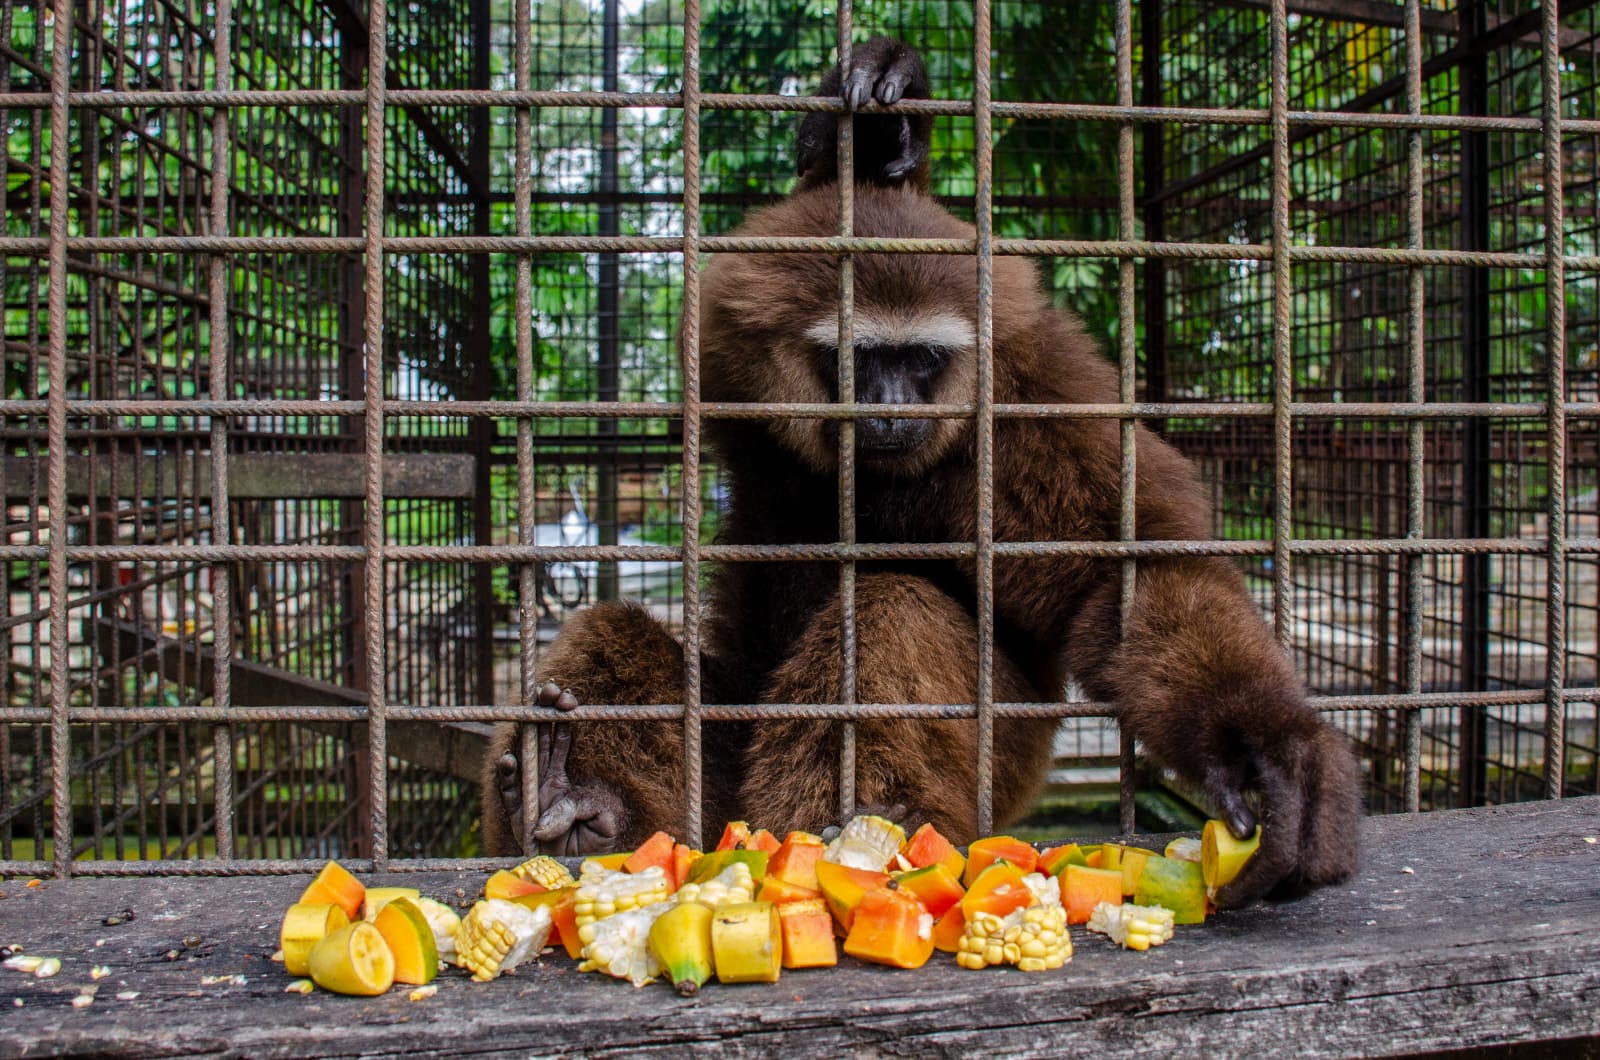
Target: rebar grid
378, 557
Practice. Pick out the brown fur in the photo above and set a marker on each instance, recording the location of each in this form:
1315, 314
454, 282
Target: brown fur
1198, 676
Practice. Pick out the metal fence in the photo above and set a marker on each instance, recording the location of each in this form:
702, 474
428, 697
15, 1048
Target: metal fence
340, 367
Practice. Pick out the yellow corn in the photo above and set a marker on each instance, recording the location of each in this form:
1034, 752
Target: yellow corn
497, 936
1134, 927
1034, 938
603, 893
546, 871
732, 884
619, 945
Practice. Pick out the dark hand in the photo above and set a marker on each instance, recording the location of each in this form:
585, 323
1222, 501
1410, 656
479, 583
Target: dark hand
890, 149
575, 818
1305, 782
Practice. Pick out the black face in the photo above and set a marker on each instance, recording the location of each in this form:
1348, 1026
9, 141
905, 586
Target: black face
891, 375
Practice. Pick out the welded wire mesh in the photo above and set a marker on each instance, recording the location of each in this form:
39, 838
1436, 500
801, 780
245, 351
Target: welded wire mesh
343, 365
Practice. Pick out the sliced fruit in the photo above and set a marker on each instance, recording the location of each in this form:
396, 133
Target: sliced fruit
735, 836
985, 852
1083, 887
443, 921
1174, 884
927, 847
609, 862
305, 925
377, 897
795, 860
1055, 859
807, 930
933, 886
713, 863
353, 960
683, 856
761, 839
998, 890
657, 850
564, 919
1133, 862
1222, 856
410, 939
804, 837
1111, 855
508, 886
335, 884
1184, 848
732, 884
948, 929
843, 887
681, 940
891, 928
779, 892
545, 899
747, 943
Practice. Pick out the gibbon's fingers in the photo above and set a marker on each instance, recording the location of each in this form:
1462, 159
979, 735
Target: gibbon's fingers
553, 695
557, 821
1224, 786
1276, 863
508, 773
857, 87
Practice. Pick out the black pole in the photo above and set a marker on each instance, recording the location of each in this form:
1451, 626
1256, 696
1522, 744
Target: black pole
605, 514
1155, 211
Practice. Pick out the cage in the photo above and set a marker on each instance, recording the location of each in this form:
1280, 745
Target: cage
341, 368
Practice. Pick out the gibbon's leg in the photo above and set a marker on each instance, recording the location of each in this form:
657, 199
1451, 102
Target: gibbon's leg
1203, 684
914, 645
602, 785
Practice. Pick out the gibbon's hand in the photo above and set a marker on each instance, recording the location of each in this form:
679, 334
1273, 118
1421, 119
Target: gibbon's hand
1300, 773
575, 819
890, 149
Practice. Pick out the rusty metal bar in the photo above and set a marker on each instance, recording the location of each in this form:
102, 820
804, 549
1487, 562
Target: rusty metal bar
690, 351
1556, 381
373, 515
983, 210
60, 634
846, 374
1416, 368
1128, 370
1282, 354
221, 269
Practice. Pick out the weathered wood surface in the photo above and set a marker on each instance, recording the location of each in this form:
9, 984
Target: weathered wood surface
1492, 937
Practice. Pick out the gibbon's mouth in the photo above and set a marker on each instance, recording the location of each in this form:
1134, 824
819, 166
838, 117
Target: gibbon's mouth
896, 437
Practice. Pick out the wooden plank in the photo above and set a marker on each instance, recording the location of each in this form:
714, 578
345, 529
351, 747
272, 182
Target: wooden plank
255, 476
1489, 939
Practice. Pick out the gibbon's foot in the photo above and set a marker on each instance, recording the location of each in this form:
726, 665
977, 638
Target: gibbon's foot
883, 69
890, 149
575, 819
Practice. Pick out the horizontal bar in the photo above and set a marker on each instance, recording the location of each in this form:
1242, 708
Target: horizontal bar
1061, 248
1014, 109
729, 410
820, 552
621, 712
250, 475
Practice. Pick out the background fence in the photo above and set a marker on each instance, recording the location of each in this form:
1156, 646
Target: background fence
340, 367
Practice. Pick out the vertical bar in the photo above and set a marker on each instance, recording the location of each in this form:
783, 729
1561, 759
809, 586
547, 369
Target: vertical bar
56, 425
483, 428
1475, 342
373, 522
1416, 367
221, 521
1556, 446
1127, 362
527, 510
1282, 304
1155, 214
847, 434
983, 209
690, 346
610, 343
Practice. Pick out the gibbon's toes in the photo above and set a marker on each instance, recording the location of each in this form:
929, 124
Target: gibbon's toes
575, 818
857, 87
508, 776
553, 695
886, 70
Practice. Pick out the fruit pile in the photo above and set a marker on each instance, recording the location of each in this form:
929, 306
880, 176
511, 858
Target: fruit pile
755, 906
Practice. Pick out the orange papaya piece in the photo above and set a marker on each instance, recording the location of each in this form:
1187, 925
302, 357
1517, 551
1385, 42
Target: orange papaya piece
1084, 887
985, 852
843, 888
891, 928
998, 890
927, 847
933, 886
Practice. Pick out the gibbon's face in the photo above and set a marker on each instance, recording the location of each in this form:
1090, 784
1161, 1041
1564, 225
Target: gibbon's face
770, 330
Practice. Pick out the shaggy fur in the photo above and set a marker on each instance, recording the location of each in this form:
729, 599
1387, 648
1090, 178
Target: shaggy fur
1196, 673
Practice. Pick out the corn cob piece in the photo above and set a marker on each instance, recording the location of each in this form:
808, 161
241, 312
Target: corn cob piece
1184, 848
1134, 927
497, 936
444, 923
546, 871
1034, 939
619, 945
605, 892
866, 842
732, 884
1046, 890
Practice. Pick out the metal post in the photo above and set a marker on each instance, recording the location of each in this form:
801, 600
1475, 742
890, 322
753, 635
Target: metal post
609, 351
479, 347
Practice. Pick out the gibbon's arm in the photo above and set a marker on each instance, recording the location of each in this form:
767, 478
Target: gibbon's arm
890, 149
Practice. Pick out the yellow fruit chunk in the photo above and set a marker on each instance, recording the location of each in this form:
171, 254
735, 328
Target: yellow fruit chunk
410, 939
378, 897
680, 938
1222, 856
305, 925
747, 943
353, 960
335, 884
